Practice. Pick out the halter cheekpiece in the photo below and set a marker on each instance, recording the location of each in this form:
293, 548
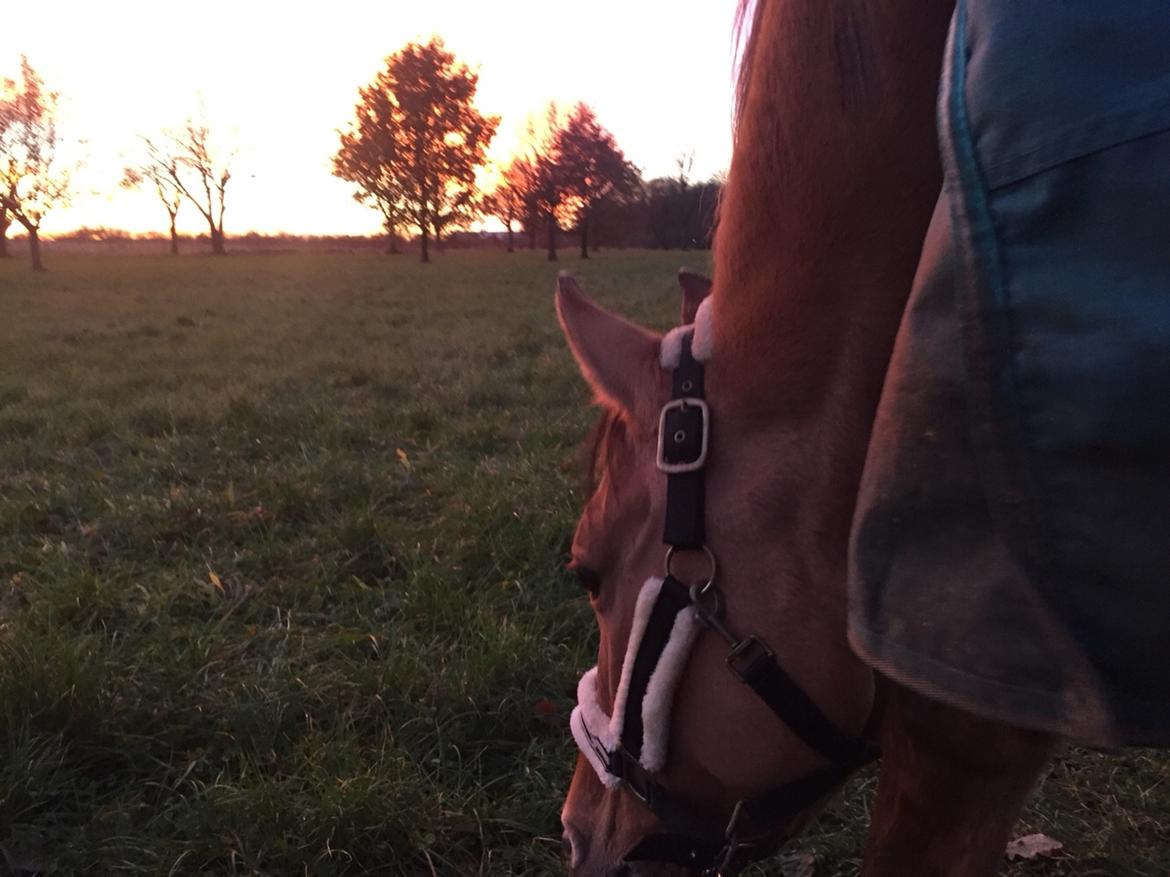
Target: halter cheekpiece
629, 748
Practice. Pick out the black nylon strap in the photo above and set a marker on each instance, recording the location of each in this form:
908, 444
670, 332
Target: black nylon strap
764, 675
685, 525
681, 845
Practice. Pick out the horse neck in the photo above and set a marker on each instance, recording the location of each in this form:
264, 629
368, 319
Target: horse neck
833, 179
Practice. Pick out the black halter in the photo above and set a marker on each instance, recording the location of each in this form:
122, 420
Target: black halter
688, 838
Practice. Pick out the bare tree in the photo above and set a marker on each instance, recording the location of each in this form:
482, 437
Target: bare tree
32, 180
192, 165
162, 179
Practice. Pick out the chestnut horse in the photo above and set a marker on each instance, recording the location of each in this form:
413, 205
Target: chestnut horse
831, 188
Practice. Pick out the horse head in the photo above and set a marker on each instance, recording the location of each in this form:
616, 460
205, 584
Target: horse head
706, 742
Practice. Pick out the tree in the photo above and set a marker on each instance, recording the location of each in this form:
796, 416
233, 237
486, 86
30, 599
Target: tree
162, 179
590, 168
417, 140
363, 161
5, 222
32, 181
546, 194
681, 214
196, 169
512, 200
5, 216
534, 166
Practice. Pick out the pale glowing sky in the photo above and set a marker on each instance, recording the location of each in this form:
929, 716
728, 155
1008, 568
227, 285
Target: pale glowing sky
276, 80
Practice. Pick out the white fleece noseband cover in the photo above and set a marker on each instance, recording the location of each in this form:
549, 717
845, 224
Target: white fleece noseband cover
666, 625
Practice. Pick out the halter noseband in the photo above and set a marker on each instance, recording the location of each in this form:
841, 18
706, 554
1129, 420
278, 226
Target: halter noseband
628, 750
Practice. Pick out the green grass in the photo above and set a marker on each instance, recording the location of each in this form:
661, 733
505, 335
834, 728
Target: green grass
280, 574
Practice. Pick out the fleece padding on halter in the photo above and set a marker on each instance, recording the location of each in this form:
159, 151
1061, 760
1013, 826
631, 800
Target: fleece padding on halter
663, 631
670, 349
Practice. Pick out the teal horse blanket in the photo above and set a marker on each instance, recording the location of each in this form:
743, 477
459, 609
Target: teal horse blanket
1011, 545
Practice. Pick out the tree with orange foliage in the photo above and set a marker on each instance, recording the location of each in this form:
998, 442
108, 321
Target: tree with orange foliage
417, 140
590, 168
544, 179
32, 181
513, 200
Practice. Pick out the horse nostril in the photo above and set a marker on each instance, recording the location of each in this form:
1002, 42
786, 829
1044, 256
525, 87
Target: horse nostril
567, 845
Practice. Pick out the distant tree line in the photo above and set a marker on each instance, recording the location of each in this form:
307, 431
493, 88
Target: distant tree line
415, 150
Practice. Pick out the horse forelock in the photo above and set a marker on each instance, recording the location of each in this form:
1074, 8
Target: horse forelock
607, 431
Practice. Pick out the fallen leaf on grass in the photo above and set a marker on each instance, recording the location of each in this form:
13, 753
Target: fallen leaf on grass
1033, 846
547, 712
215, 580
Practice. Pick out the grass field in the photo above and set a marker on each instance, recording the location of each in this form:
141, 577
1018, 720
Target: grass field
281, 593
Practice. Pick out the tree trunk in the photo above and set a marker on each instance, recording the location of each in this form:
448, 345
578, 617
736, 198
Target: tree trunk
424, 239
217, 246
511, 246
174, 237
532, 236
552, 238
34, 248
5, 221
583, 228
392, 243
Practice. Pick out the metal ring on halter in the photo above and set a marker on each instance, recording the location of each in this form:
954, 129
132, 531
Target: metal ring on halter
711, 613
710, 558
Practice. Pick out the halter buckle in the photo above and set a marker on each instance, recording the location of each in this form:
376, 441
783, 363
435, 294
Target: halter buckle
745, 653
683, 432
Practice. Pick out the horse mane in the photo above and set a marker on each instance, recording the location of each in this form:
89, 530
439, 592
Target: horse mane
832, 182
747, 14
848, 43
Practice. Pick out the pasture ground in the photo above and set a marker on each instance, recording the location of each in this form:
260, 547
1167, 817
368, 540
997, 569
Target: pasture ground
281, 593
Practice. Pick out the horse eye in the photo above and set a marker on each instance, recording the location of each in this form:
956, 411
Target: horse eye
587, 577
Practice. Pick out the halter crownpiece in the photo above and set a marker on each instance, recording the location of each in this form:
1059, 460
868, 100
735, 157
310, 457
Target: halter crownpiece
628, 749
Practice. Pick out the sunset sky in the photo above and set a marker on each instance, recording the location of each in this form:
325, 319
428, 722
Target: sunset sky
276, 80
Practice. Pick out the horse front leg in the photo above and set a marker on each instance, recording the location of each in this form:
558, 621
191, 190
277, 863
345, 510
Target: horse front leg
951, 787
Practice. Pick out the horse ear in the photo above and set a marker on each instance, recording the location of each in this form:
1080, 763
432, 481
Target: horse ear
695, 288
616, 357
